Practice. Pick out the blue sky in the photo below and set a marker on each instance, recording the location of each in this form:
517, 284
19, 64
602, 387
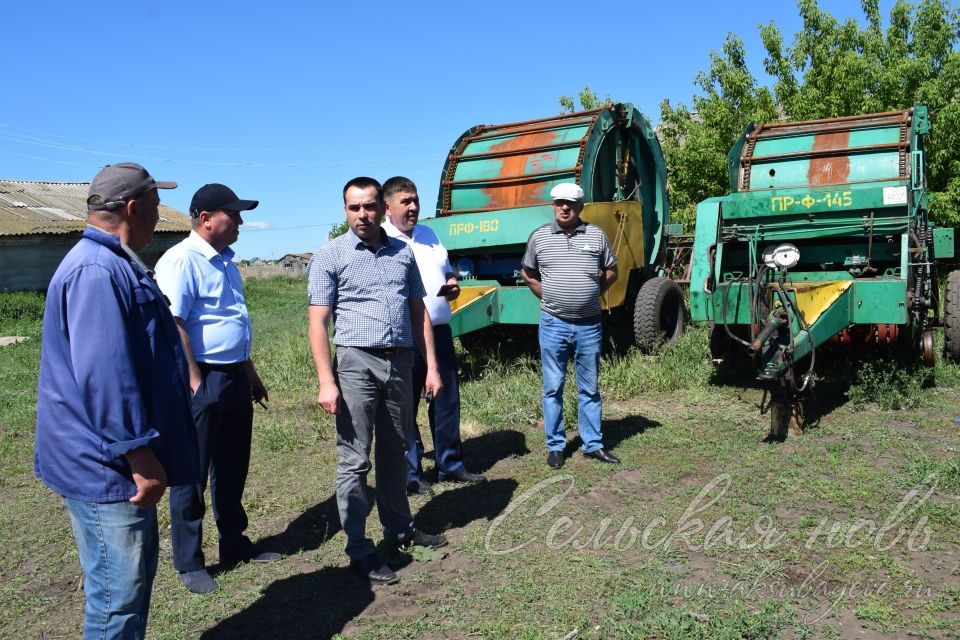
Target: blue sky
285, 102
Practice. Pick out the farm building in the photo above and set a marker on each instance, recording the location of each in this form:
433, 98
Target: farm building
41, 221
296, 262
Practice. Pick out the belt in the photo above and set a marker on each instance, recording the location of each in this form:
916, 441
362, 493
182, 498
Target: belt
383, 352
233, 367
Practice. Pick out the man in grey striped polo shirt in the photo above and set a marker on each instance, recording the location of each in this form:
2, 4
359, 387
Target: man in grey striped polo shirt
568, 264
369, 282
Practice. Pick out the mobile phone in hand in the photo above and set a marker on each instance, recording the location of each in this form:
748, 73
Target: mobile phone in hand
446, 290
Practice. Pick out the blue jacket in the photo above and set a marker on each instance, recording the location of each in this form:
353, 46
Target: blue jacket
113, 377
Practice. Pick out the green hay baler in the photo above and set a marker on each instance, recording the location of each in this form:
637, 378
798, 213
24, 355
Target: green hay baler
495, 190
825, 237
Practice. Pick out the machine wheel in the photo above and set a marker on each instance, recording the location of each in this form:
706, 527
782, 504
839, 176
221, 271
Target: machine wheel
658, 315
951, 316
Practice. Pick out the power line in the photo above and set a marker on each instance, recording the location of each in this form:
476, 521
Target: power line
15, 138
245, 230
229, 149
77, 164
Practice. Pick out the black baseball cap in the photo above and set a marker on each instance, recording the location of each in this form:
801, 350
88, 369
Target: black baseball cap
214, 196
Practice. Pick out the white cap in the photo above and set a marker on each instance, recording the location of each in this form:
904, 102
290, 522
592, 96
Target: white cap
567, 191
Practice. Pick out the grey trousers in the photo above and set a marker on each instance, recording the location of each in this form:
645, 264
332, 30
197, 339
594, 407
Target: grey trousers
375, 402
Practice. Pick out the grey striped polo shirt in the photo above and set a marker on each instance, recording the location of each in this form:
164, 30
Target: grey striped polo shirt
570, 268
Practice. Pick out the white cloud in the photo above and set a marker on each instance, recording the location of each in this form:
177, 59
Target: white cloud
257, 226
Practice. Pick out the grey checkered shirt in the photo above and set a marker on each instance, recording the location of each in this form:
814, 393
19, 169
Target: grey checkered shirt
369, 292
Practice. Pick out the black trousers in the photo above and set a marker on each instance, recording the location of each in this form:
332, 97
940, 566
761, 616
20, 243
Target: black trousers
223, 411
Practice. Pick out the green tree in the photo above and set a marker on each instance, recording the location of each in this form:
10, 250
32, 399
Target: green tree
695, 143
831, 69
338, 230
588, 100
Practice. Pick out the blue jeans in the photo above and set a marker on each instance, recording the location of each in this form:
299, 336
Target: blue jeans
559, 341
118, 546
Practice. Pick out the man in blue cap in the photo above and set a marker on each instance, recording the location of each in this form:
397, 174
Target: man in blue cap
205, 290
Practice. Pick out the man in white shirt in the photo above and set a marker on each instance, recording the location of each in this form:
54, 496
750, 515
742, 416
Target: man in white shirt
402, 212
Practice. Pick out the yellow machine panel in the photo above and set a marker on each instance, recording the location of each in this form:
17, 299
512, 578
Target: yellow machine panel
813, 298
469, 295
623, 224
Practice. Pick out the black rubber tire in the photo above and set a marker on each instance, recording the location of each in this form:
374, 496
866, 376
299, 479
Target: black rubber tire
951, 316
658, 314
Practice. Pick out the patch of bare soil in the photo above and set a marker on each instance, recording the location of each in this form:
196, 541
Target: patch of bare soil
850, 626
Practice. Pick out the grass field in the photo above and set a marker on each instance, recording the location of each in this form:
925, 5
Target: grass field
704, 531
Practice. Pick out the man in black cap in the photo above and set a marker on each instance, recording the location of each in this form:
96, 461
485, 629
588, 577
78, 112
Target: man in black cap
205, 290
113, 407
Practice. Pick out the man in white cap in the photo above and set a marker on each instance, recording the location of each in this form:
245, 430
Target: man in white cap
113, 404
568, 265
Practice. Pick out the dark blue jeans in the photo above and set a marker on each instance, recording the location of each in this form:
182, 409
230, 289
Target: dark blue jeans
443, 413
223, 411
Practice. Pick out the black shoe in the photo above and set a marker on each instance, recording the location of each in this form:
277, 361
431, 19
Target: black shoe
602, 456
198, 582
464, 477
555, 459
419, 488
420, 539
372, 568
249, 553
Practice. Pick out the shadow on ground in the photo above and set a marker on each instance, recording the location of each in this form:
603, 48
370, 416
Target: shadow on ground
829, 393
456, 508
308, 531
318, 524
310, 605
484, 451
320, 604
615, 432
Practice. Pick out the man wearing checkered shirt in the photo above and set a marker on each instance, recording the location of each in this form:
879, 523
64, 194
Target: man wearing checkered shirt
370, 284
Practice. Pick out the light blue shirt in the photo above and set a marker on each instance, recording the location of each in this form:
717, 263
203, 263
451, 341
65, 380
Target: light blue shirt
206, 292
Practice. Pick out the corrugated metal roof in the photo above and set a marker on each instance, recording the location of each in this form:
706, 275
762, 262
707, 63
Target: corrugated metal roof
28, 208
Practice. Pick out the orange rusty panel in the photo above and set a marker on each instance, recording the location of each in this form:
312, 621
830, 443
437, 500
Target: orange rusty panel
868, 337
833, 169
521, 193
